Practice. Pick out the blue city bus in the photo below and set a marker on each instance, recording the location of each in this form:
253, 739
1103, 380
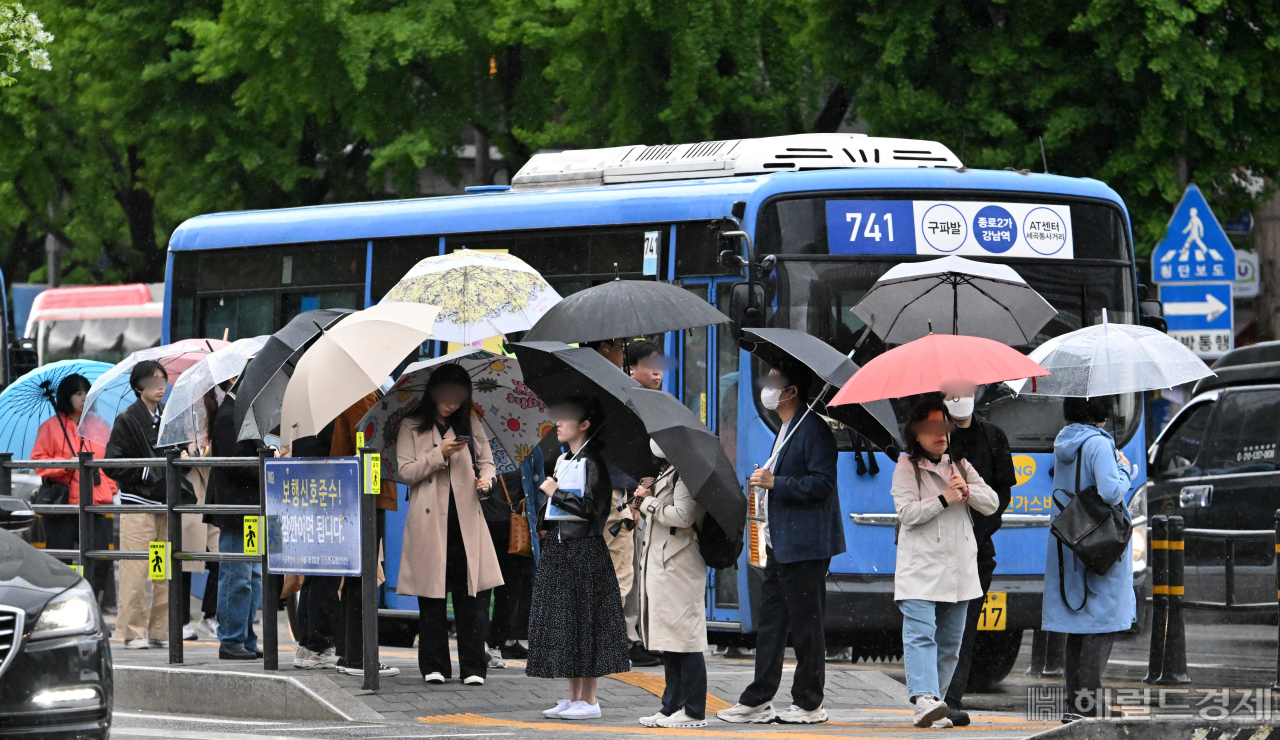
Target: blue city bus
813, 221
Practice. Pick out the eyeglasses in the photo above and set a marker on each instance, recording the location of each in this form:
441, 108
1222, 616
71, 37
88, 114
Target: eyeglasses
933, 427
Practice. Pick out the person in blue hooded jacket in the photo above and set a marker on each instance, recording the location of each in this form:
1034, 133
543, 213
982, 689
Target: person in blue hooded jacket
1095, 607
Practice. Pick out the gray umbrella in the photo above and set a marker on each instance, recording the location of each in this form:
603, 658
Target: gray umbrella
958, 296
831, 370
623, 309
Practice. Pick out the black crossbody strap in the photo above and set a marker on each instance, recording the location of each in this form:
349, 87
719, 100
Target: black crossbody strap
1062, 581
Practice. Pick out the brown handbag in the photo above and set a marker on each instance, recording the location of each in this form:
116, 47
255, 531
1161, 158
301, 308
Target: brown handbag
520, 542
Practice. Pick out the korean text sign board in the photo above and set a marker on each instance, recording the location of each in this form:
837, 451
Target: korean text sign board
939, 228
313, 516
1199, 316
1194, 249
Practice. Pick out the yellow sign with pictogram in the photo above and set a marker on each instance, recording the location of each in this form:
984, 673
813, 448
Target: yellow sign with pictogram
158, 561
252, 535
78, 569
359, 440
373, 474
995, 609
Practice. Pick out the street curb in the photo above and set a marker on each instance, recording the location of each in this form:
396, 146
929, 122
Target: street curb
231, 694
1149, 729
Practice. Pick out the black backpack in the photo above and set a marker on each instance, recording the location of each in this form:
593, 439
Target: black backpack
718, 549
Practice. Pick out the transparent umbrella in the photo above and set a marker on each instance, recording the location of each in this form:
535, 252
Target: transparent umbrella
183, 413
1108, 359
106, 400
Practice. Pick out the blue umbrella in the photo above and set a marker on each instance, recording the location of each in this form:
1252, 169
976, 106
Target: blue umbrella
28, 402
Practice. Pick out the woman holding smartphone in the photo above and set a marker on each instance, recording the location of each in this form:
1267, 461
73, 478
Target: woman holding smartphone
576, 626
937, 567
444, 456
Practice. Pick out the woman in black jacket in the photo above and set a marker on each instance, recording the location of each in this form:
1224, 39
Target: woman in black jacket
576, 626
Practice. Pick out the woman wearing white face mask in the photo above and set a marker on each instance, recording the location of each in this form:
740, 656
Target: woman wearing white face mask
673, 586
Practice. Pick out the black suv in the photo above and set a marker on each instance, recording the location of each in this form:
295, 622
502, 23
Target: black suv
1215, 465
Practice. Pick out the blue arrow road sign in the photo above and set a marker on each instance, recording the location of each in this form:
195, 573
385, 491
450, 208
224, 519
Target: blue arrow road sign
1195, 249
1199, 316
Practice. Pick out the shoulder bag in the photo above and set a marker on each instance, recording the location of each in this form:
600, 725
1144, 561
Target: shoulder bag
520, 542
1096, 532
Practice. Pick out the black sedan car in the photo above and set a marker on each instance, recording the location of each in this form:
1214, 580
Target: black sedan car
55, 662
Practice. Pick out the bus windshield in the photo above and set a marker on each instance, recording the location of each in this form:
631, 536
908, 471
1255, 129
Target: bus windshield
815, 295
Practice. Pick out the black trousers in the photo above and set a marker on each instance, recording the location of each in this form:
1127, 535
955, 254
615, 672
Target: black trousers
686, 684
516, 572
320, 615
433, 636
351, 644
62, 532
793, 601
1087, 657
960, 679
209, 603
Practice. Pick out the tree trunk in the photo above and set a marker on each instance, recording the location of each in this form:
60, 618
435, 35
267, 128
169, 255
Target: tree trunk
1266, 244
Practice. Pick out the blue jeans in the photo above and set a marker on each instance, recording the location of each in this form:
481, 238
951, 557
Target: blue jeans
931, 635
239, 594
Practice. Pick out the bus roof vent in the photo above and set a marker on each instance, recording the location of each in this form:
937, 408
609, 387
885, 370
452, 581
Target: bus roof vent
798, 153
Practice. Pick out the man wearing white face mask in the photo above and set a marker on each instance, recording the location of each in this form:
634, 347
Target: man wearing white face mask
984, 446
803, 531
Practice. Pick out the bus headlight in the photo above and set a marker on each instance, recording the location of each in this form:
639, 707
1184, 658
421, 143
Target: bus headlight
1138, 515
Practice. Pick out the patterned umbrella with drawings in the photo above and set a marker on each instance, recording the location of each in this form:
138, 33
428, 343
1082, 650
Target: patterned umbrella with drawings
514, 417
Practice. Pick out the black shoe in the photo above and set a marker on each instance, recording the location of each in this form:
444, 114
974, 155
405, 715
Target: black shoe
257, 653
1069, 717
641, 657
515, 650
958, 717
236, 653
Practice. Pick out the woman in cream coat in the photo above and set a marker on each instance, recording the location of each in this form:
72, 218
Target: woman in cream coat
447, 547
937, 567
673, 587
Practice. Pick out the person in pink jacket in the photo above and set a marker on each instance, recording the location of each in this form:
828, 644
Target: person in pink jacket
937, 566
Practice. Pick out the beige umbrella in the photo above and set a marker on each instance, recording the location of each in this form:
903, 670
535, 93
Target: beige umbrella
350, 361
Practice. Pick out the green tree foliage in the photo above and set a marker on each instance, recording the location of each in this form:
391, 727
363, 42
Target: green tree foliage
1145, 95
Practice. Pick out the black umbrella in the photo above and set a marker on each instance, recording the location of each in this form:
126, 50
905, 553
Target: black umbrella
623, 308
695, 453
261, 389
556, 372
831, 370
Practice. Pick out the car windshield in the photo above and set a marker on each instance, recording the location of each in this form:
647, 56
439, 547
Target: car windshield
815, 297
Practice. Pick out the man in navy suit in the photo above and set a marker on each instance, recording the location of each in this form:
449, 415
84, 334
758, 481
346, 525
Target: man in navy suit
802, 531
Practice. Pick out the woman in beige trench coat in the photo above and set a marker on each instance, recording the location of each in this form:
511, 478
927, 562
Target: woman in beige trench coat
673, 587
443, 454
197, 536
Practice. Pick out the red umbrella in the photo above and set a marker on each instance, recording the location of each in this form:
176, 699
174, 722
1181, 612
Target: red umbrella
929, 363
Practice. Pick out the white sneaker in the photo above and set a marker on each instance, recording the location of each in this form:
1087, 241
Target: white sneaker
652, 720
189, 633
157, 643
581, 710
797, 716
555, 711
327, 659
434, 677
304, 659
929, 709
137, 643
495, 658
207, 628
473, 681
681, 719
383, 670
943, 724
743, 714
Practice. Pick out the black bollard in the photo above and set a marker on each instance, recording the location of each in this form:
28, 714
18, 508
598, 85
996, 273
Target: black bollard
1174, 667
1159, 595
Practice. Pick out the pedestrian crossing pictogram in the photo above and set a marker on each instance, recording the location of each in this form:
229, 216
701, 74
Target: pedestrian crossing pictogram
252, 535
158, 561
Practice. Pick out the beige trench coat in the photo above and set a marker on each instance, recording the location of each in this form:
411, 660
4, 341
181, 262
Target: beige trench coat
673, 576
196, 535
426, 531
937, 552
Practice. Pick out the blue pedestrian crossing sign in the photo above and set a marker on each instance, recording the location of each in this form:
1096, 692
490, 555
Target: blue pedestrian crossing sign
1199, 316
1195, 249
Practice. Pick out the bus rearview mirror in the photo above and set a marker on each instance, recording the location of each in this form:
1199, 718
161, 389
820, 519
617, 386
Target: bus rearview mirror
746, 307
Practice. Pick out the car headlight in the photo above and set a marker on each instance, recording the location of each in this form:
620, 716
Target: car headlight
1138, 515
1138, 505
71, 612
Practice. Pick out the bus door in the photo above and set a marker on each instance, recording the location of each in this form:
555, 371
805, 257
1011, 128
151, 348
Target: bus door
706, 381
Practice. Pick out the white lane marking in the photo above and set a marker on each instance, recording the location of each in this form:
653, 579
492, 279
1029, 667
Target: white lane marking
182, 718
1118, 661
193, 734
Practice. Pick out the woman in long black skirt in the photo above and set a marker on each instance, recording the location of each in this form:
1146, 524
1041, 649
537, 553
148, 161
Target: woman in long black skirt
576, 626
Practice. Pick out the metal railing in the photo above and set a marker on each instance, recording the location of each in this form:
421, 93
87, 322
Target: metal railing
175, 465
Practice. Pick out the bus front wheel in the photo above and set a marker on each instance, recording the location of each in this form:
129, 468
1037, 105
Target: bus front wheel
994, 654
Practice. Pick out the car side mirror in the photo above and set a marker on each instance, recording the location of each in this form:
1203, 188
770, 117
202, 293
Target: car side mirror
1151, 312
15, 514
746, 307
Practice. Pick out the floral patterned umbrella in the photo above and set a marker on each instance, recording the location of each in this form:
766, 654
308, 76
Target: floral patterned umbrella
514, 418
480, 294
